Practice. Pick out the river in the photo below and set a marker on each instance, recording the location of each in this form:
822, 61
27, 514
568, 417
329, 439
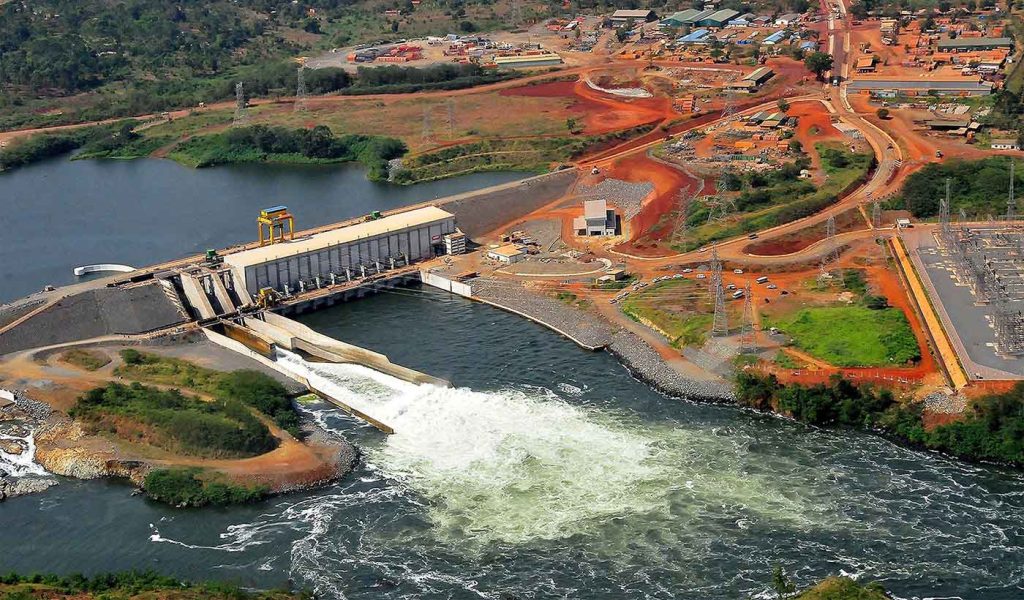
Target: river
547, 472
59, 214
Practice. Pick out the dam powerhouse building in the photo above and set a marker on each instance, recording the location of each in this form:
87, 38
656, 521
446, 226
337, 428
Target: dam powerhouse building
345, 253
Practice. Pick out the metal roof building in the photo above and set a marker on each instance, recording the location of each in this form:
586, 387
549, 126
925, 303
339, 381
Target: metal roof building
405, 237
974, 44
623, 16
924, 86
718, 19
695, 37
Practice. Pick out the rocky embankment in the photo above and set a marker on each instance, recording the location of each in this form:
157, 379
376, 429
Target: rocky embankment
19, 424
593, 332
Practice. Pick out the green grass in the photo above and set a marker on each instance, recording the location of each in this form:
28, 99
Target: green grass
196, 487
786, 361
851, 336
781, 202
252, 388
678, 308
85, 359
170, 420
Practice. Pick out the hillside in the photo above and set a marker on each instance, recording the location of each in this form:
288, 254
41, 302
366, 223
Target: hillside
64, 61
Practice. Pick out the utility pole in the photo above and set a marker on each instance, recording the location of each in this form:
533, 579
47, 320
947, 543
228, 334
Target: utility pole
824, 270
241, 108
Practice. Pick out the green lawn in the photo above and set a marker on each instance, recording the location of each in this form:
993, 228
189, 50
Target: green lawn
851, 336
679, 308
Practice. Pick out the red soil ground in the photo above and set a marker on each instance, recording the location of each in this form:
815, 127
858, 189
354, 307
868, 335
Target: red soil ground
850, 220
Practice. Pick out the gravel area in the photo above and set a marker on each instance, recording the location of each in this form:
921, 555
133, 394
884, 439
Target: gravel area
628, 197
577, 325
95, 313
943, 403
646, 365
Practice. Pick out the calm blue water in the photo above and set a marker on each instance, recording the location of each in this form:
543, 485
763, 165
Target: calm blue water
60, 214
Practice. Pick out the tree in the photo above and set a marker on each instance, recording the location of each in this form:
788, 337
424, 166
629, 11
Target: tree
780, 583
467, 27
882, 113
818, 63
782, 104
795, 147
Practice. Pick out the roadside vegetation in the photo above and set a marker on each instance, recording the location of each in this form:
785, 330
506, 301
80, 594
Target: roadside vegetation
174, 422
90, 360
858, 330
537, 154
765, 200
128, 585
979, 188
260, 143
679, 309
990, 430
252, 388
197, 487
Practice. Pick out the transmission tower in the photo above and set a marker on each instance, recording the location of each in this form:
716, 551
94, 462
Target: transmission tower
831, 252
679, 230
944, 211
427, 135
876, 215
300, 91
241, 110
716, 267
451, 118
730, 105
516, 14
1011, 202
747, 338
720, 324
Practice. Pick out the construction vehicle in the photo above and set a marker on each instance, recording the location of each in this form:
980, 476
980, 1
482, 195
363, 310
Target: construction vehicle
373, 216
267, 297
213, 259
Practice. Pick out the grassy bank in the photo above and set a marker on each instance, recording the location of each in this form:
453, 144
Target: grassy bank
172, 421
197, 487
260, 143
252, 388
843, 588
992, 427
129, 585
767, 200
537, 154
679, 309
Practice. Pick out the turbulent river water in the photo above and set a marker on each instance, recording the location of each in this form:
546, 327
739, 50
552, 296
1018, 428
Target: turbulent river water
547, 472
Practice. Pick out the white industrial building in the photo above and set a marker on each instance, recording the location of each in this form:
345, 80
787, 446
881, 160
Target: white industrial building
347, 252
597, 219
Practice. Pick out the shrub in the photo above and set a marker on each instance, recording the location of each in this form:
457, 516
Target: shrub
187, 487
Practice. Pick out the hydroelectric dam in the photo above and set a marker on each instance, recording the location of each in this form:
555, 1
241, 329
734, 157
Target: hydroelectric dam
239, 297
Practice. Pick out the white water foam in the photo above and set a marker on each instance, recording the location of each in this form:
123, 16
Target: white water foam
520, 465
20, 465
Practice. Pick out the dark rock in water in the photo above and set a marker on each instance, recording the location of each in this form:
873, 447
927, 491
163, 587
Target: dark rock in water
19, 486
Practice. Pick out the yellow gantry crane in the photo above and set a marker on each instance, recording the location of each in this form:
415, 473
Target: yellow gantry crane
272, 222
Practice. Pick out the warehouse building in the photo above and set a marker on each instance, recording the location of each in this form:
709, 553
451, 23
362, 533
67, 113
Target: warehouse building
718, 19
621, 17
528, 61
352, 251
921, 87
974, 44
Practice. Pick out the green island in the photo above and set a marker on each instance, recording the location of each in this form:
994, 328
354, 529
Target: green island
992, 428
252, 388
764, 200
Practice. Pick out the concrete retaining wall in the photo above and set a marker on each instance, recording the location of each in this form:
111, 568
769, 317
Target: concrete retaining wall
455, 287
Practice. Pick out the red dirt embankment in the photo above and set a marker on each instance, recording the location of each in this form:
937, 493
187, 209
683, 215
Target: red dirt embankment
599, 112
667, 182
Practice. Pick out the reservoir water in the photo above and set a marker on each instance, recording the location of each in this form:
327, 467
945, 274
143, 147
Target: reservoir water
60, 214
547, 472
